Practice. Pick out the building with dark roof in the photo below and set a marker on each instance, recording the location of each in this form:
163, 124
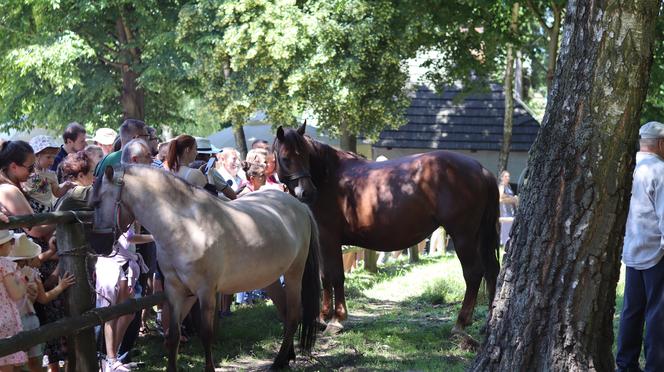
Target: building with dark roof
468, 123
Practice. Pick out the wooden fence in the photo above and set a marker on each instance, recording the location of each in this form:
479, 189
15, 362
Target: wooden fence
81, 314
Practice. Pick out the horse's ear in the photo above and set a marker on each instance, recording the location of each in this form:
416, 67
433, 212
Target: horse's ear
280, 134
108, 172
302, 127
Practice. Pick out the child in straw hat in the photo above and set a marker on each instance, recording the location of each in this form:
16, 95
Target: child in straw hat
12, 289
25, 254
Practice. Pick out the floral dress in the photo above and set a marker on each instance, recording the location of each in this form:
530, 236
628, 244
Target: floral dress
10, 320
55, 349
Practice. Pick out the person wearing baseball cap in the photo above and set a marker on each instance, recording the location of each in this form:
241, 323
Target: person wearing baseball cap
104, 138
643, 254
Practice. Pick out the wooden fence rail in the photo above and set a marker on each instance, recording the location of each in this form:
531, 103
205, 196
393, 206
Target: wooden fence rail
82, 316
68, 326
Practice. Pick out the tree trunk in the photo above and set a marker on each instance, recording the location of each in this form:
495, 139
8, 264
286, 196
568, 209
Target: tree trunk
554, 306
240, 140
132, 96
508, 90
518, 76
348, 142
553, 33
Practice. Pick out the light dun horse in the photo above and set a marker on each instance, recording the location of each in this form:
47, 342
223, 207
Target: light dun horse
206, 246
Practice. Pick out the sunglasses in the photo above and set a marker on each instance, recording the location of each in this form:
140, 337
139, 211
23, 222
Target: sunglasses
30, 168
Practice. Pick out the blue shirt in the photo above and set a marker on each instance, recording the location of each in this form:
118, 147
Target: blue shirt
644, 246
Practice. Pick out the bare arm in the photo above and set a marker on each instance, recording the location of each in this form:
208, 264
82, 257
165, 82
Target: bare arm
15, 204
64, 282
504, 198
140, 238
61, 189
15, 288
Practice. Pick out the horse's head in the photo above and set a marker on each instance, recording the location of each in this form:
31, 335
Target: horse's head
111, 216
292, 151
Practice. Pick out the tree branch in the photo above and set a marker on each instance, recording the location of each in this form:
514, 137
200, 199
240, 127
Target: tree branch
111, 63
538, 15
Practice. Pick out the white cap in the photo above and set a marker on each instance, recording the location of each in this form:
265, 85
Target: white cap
652, 129
105, 136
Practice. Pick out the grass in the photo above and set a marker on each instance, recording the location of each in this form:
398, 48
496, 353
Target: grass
400, 319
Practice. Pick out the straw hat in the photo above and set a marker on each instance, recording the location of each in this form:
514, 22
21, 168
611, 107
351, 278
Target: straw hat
5, 236
24, 248
203, 146
105, 136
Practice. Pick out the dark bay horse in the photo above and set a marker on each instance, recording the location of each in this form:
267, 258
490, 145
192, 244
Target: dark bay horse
206, 245
392, 205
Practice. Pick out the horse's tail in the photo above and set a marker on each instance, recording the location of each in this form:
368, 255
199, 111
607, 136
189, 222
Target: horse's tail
489, 239
311, 290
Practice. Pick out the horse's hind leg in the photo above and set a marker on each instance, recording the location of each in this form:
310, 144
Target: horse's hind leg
278, 296
207, 300
473, 271
293, 279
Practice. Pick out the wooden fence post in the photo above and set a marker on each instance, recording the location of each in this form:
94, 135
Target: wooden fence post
79, 298
414, 254
370, 261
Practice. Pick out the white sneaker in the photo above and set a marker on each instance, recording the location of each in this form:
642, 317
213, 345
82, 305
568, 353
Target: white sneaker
114, 365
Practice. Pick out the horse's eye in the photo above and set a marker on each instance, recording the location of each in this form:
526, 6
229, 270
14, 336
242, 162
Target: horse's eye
285, 162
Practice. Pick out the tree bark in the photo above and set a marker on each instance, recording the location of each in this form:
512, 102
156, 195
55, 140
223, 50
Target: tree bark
554, 306
132, 96
508, 90
240, 140
348, 142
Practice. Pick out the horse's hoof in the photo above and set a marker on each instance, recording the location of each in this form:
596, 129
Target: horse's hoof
333, 328
278, 365
321, 324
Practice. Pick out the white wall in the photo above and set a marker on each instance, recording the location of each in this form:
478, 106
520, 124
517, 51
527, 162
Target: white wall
489, 159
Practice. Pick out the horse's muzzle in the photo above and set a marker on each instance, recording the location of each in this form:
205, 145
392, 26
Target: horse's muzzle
307, 197
101, 240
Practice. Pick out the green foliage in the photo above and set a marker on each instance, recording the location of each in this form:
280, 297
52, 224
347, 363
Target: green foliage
63, 60
338, 60
653, 108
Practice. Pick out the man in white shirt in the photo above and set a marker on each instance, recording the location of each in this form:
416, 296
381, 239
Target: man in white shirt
642, 255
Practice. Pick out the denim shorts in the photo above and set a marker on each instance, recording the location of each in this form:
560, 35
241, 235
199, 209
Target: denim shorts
31, 322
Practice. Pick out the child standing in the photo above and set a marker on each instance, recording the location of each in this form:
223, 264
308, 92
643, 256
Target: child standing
25, 254
42, 185
12, 289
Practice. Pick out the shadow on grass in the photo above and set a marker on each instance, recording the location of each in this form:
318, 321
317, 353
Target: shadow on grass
251, 330
414, 334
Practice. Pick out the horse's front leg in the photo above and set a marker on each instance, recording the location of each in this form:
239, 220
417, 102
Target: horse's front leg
333, 280
331, 262
207, 302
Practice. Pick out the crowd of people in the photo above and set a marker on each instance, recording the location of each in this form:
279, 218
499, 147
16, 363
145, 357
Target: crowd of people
43, 176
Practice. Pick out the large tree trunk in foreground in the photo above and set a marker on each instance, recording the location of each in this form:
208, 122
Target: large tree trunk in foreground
554, 307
